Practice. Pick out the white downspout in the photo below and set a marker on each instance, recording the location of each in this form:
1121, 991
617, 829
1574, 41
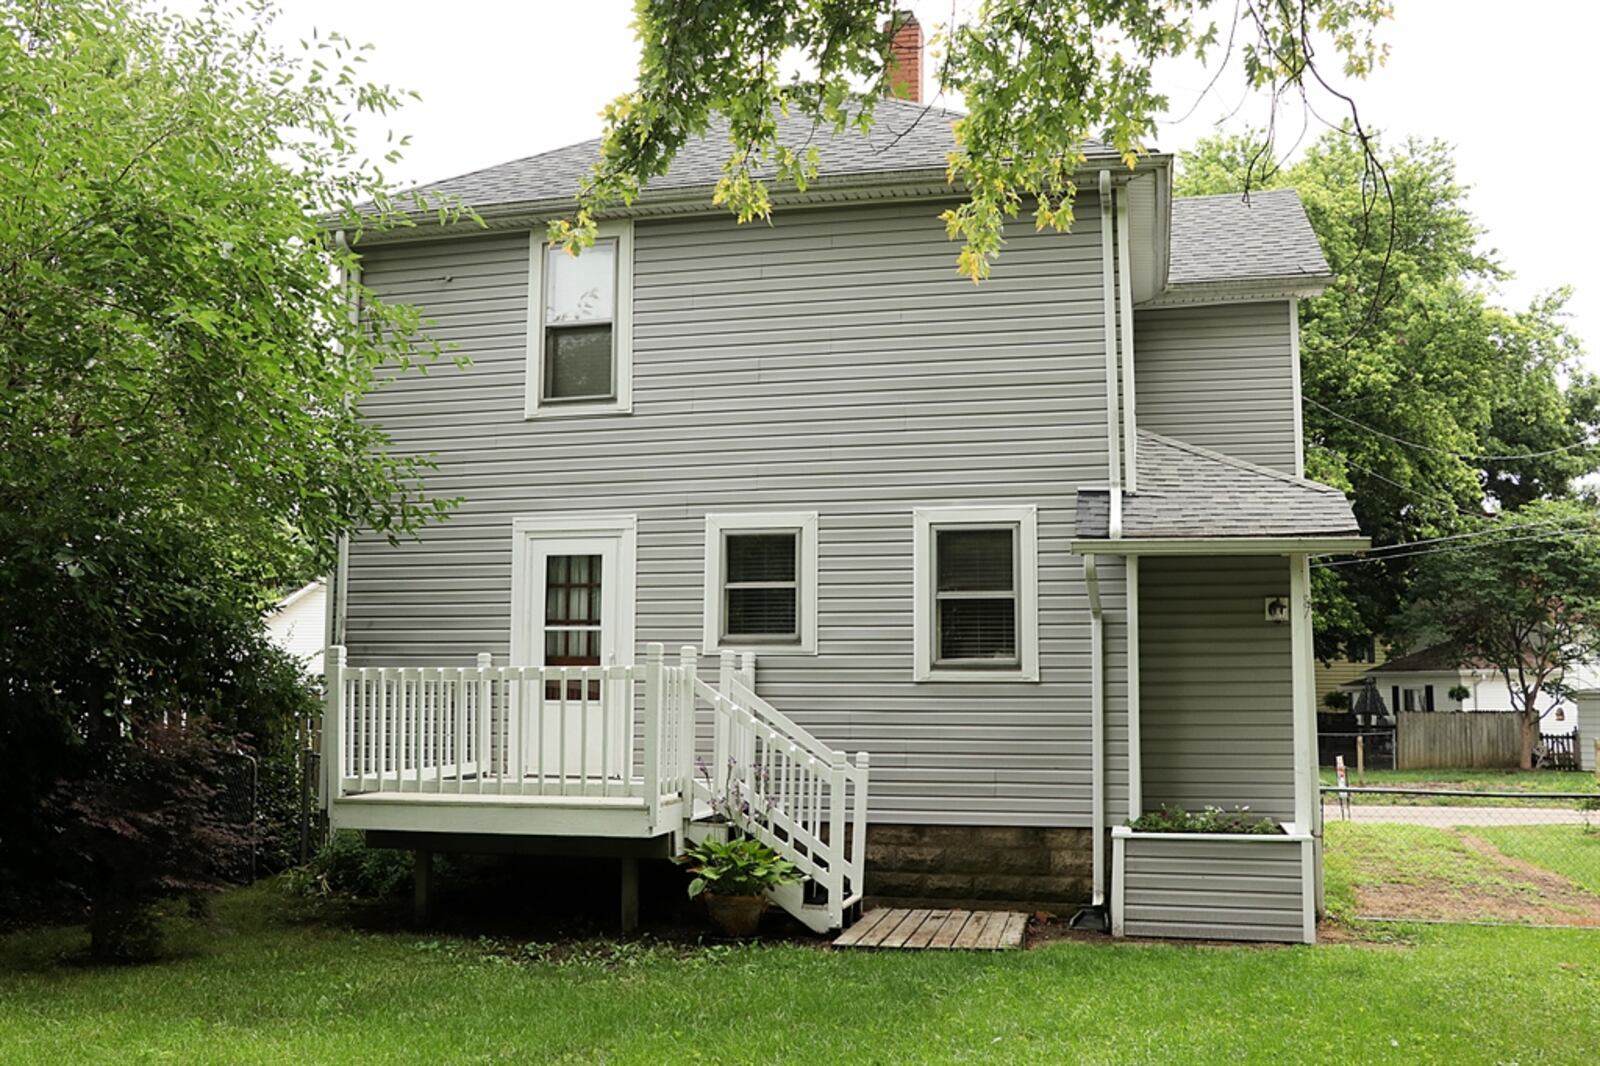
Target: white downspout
338, 581
1109, 302
1097, 727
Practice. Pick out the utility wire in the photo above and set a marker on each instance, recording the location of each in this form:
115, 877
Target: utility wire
1554, 534
1375, 552
1447, 451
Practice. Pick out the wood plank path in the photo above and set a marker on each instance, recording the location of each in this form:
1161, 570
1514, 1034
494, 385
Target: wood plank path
894, 928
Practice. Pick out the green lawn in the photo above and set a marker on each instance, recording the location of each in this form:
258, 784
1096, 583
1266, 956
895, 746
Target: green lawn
1532, 782
266, 984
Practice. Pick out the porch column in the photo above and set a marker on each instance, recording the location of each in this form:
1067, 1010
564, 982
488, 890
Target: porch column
1304, 710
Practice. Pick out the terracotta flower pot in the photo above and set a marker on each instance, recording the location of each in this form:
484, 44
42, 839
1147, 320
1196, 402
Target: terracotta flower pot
736, 915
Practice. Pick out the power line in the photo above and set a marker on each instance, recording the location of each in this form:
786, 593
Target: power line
1446, 451
1562, 534
1374, 552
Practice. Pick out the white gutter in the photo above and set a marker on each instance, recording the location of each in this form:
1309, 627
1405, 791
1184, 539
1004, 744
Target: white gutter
1130, 429
1109, 302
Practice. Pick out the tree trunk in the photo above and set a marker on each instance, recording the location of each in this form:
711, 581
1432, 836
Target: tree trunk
1530, 735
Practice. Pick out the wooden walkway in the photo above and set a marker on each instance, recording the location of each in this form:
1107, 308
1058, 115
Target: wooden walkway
916, 930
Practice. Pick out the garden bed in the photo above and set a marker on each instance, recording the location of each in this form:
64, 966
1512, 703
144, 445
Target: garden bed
1213, 886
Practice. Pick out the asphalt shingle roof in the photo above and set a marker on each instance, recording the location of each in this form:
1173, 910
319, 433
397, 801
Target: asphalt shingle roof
904, 136
1226, 238
1214, 238
1187, 492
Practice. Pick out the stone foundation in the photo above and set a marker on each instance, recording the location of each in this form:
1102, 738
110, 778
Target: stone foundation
1034, 869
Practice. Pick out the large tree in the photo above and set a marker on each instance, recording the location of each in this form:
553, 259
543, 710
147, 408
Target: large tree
178, 381
1037, 77
1422, 396
1526, 602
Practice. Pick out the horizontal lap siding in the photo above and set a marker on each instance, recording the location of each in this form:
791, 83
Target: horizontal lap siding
835, 362
1220, 377
1213, 889
1215, 690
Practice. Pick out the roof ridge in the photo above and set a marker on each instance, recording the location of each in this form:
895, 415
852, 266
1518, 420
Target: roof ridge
1242, 464
1241, 196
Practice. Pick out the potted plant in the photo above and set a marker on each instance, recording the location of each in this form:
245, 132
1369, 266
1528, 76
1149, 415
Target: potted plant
1459, 693
734, 876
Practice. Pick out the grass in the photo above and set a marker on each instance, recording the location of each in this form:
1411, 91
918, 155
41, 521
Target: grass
1380, 853
1566, 849
267, 982
1531, 782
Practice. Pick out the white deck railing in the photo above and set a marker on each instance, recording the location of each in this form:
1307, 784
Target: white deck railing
597, 733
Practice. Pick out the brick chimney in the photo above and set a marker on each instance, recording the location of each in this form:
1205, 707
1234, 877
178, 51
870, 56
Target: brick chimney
904, 80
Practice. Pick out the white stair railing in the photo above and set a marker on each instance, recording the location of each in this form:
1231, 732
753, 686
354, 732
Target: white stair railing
598, 732
805, 800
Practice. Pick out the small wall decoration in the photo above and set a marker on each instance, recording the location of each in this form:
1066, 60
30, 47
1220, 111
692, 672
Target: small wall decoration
1277, 609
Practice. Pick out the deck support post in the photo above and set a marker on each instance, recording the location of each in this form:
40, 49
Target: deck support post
421, 886
630, 895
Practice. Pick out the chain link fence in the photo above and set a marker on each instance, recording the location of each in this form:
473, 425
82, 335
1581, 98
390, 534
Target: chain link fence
1462, 855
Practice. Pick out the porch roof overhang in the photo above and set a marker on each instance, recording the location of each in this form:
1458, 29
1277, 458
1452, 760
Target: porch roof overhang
1311, 545
1194, 501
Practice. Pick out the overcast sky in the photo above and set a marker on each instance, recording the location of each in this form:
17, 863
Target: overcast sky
1513, 87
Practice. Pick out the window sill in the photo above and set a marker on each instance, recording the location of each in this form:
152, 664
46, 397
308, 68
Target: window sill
950, 675
577, 410
713, 647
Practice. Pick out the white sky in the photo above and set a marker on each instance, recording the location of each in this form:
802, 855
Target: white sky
1514, 88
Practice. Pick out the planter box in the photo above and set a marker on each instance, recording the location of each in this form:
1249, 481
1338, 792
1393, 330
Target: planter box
1213, 886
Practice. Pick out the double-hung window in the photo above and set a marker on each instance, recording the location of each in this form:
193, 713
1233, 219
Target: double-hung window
976, 598
761, 582
580, 324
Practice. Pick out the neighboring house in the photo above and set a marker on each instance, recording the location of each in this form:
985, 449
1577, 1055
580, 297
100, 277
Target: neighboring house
1423, 680
1336, 675
299, 625
1038, 547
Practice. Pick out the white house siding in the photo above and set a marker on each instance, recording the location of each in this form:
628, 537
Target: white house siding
1220, 377
1215, 692
300, 625
835, 362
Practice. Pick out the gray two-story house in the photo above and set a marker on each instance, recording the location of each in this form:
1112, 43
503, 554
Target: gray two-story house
953, 581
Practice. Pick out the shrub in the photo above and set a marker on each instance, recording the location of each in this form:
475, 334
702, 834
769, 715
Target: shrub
345, 866
153, 823
1337, 700
740, 867
1207, 820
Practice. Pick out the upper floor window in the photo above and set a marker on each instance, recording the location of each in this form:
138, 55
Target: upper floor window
580, 325
976, 596
761, 582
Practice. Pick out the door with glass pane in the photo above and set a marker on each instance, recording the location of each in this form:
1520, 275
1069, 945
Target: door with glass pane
573, 602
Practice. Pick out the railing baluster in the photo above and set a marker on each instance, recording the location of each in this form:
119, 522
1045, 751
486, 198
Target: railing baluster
583, 731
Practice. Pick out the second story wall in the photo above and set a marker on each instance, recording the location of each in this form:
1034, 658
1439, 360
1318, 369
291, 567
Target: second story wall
831, 362
1221, 377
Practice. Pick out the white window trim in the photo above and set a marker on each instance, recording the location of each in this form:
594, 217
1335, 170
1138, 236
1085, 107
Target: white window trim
622, 330
803, 523
925, 520
525, 530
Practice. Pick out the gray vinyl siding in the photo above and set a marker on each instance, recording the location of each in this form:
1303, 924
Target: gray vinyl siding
1221, 377
1215, 701
834, 362
1214, 889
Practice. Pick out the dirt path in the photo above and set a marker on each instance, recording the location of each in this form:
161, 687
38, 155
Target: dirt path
1527, 894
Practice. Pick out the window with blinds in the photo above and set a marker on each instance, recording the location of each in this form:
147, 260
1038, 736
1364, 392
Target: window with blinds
761, 587
975, 596
761, 582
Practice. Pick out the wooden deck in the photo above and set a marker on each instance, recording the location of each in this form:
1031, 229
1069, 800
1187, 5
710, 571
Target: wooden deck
887, 928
